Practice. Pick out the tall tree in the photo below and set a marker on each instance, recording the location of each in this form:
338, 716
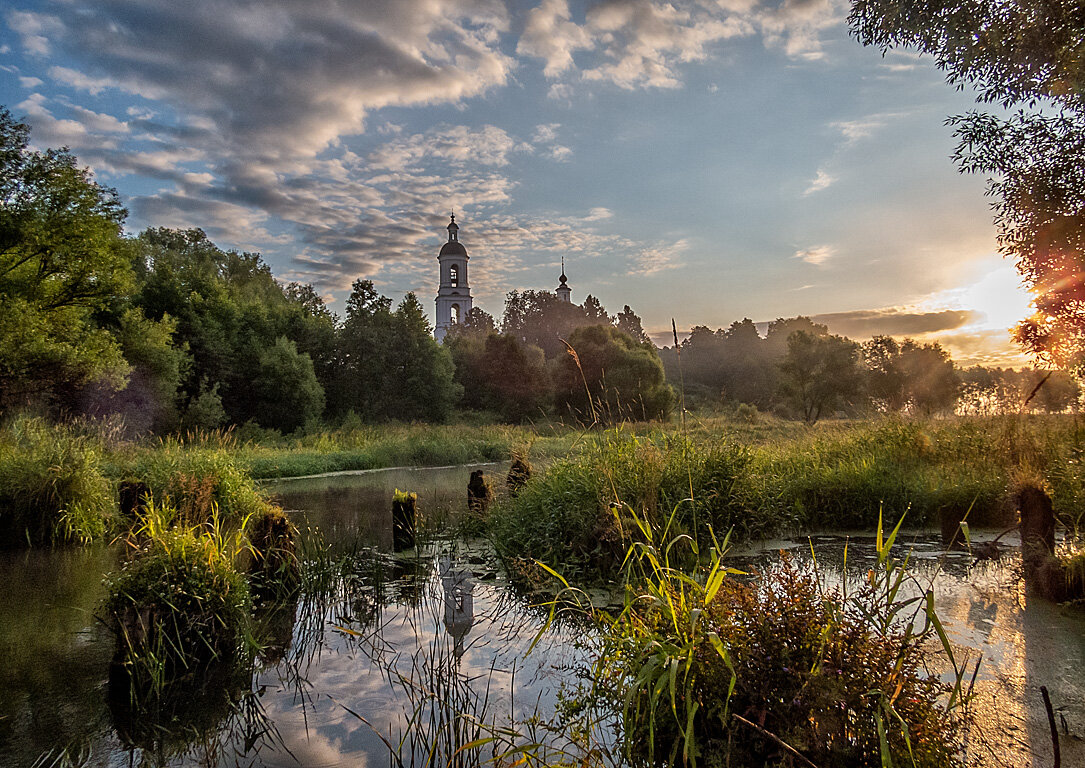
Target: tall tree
62, 259
606, 376
820, 374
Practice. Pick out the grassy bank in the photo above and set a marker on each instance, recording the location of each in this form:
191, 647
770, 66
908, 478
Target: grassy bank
59, 482
758, 480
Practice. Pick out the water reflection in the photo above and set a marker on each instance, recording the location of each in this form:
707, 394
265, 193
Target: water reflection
1021, 642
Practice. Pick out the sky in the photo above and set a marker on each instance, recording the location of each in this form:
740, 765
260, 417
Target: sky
702, 160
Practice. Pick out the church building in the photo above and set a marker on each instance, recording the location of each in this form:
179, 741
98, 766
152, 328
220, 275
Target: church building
454, 293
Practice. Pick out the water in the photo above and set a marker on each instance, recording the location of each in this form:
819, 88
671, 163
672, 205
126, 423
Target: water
394, 647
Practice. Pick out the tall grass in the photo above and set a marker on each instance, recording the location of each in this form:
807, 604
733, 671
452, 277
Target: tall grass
838, 477
52, 488
178, 602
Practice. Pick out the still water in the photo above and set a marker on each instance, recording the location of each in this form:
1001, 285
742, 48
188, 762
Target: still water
392, 652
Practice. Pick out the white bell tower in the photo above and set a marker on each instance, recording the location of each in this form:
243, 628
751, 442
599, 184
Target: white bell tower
454, 293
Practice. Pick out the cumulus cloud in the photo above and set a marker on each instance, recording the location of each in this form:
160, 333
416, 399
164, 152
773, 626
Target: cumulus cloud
30, 82
550, 35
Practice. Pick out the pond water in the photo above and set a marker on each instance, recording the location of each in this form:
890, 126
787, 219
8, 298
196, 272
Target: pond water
386, 654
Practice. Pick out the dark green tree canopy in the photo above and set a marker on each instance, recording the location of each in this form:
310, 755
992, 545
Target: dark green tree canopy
62, 259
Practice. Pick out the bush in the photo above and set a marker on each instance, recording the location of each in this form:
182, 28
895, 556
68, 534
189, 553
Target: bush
51, 485
733, 670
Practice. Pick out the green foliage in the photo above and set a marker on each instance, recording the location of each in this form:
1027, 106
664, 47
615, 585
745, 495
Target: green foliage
499, 374
178, 601
392, 367
51, 485
204, 411
286, 388
61, 260
706, 667
608, 377
197, 480
820, 373
565, 515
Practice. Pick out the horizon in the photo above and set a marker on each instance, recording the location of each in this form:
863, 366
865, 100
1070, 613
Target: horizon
702, 161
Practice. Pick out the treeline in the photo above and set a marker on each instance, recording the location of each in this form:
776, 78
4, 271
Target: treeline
174, 333
800, 370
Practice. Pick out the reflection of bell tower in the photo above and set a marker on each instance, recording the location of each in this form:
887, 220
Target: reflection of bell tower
454, 293
459, 603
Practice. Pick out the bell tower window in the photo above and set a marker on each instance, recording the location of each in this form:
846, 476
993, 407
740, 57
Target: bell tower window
454, 275
455, 314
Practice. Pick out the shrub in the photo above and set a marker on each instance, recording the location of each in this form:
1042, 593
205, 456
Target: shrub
750, 672
51, 485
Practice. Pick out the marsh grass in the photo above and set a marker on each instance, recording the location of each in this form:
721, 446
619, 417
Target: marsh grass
178, 602
709, 668
52, 489
765, 479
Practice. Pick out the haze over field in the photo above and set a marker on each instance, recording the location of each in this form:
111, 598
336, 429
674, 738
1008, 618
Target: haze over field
703, 160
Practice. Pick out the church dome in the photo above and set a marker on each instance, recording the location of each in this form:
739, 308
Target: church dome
453, 248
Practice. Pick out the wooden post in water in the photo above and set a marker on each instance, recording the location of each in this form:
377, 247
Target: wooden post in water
404, 508
479, 493
519, 473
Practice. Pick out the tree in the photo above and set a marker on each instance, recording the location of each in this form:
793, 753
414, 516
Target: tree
932, 383
820, 374
1023, 53
886, 381
390, 366
606, 376
627, 321
285, 390
541, 319
62, 259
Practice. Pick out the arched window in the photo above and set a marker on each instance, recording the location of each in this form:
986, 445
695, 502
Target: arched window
454, 275
455, 312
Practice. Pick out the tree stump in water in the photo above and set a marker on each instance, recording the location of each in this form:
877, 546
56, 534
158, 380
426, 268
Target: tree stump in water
1037, 527
519, 473
133, 497
952, 535
479, 493
404, 509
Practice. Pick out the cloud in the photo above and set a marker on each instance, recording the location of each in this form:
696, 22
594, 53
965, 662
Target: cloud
821, 181
545, 134
893, 321
642, 43
657, 259
279, 79
549, 35
816, 255
30, 82
455, 145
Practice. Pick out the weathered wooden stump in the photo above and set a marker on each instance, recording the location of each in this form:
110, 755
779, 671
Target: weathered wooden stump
479, 493
519, 474
133, 498
1037, 527
404, 510
274, 569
